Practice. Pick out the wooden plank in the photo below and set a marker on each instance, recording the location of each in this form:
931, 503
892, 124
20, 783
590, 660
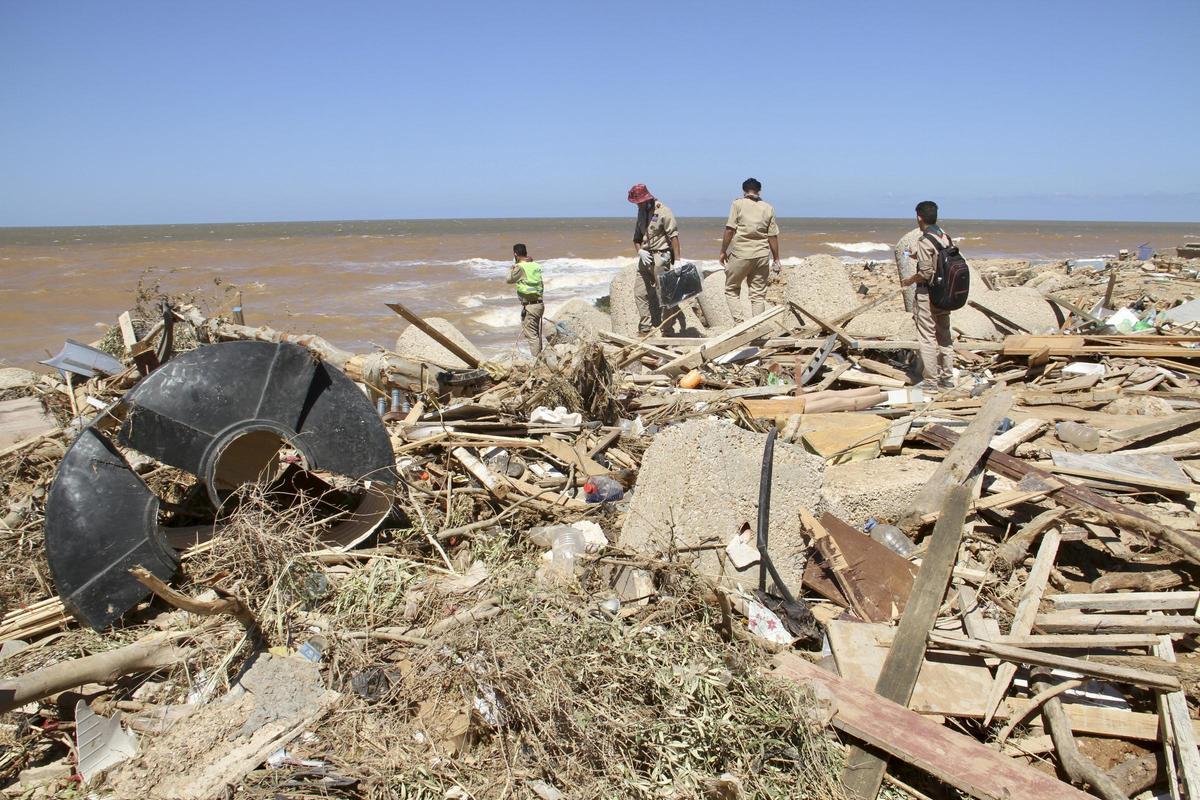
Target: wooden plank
1075, 622
863, 774
887, 370
564, 452
962, 459
1127, 601
727, 342
128, 336
1027, 609
23, 418
894, 441
947, 683
1178, 732
627, 341
829, 327
1021, 655
1078, 641
1018, 434
957, 760
1123, 478
433, 333
1173, 423
860, 378
875, 580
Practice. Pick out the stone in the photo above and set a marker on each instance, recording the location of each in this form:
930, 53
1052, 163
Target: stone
15, 378
698, 484
416, 345
821, 284
582, 318
715, 305
882, 488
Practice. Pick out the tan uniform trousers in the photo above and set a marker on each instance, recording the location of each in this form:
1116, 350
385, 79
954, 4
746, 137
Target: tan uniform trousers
755, 271
645, 290
531, 323
933, 334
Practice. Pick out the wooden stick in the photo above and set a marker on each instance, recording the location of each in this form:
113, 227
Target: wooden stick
1177, 732
492, 482
433, 333
1035, 703
205, 608
1022, 623
863, 773
1073, 763
146, 655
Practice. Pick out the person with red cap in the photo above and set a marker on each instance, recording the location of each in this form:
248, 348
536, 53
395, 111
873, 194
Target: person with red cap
656, 239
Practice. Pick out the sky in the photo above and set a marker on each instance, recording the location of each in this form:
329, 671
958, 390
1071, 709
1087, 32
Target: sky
168, 112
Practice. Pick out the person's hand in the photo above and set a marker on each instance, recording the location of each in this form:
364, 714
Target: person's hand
776, 266
723, 258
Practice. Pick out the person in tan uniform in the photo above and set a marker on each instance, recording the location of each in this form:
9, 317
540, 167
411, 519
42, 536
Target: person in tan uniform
749, 249
933, 323
656, 239
906, 263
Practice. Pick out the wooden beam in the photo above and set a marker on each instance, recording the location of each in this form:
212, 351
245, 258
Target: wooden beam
727, 342
1128, 601
956, 760
1018, 434
863, 774
1021, 655
962, 459
1027, 609
1172, 423
1178, 734
829, 327
1075, 622
1078, 641
433, 333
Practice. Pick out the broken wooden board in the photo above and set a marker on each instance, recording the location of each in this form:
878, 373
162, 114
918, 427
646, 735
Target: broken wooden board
1151, 471
23, 418
729, 341
1174, 423
875, 580
951, 757
1076, 346
953, 684
843, 436
564, 452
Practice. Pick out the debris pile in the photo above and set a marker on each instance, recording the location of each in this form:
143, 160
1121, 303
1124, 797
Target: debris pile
742, 560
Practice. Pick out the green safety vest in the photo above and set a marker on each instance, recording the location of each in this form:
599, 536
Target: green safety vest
530, 282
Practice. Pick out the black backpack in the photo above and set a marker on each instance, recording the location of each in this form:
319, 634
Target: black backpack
951, 278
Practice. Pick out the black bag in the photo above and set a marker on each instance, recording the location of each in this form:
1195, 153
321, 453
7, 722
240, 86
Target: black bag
951, 278
681, 282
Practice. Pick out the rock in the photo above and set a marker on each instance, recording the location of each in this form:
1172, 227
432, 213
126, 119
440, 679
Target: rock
624, 309
15, 378
883, 487
416, 345
1144, 404
682, 500
1025, 306
582, 318
46, 774
876, 324
970, 323
821, 284
716, 307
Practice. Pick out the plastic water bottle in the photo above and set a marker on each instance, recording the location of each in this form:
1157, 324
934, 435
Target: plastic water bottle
890, 537
1084, 437
602, 489
313, 648
568, 546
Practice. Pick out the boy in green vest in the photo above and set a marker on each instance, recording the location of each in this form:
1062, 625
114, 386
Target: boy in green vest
527, 275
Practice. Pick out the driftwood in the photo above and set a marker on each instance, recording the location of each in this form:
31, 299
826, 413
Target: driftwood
1186, 545
1013, 552
205, 608
1080, 769
147, 655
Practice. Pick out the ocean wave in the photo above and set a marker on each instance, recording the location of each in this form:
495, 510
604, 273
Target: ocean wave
859, 247
509, 317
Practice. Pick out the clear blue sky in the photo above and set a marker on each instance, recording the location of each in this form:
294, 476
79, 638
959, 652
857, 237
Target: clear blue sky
143, 112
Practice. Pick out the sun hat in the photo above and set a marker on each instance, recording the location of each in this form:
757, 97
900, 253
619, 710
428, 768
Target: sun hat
640, 194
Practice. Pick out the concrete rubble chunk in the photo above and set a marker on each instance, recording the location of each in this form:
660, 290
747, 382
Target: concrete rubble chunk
15, 378
416, 345
582, 318
715, 305
821, 284
883, 487
684, 501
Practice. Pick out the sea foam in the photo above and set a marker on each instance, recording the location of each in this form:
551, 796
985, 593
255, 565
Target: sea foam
859, 247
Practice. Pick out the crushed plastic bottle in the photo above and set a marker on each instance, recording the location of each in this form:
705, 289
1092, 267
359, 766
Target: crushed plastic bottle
1084, 437
890, 537
603, 489
313, 648
568, 546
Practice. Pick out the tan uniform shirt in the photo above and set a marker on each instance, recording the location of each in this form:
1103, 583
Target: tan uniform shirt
753, 222
661, 228
926, 254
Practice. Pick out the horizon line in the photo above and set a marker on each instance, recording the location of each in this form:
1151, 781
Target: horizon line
569, 217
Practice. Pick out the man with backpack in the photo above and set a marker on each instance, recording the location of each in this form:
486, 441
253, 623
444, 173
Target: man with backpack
942, 283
